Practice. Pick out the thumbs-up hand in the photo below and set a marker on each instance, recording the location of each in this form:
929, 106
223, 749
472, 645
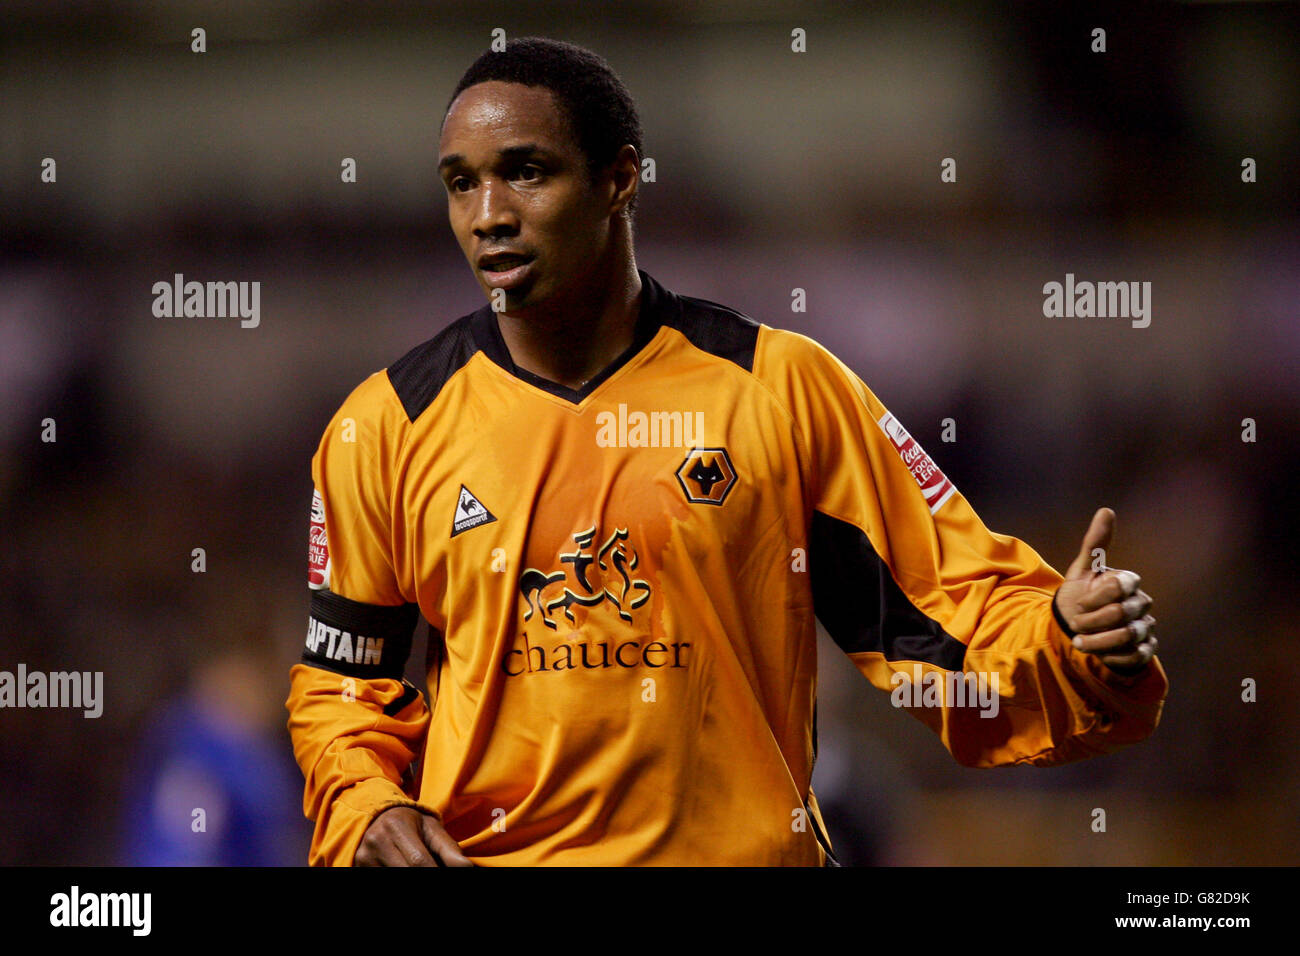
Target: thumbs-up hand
1104, 608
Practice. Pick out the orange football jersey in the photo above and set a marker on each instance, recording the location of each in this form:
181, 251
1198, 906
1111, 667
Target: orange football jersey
622, 584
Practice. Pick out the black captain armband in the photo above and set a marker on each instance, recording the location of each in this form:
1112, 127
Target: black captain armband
359, 640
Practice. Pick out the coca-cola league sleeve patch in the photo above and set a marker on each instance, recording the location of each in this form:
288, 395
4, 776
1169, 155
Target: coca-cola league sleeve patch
349, 637
318, 549
933, 483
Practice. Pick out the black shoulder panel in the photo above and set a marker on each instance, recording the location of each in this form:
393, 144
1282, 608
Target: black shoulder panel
419, 375
717, 330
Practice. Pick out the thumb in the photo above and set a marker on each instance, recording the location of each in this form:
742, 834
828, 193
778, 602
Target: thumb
1097, 536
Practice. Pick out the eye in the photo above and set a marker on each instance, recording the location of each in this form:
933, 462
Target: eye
458, 184
530, 173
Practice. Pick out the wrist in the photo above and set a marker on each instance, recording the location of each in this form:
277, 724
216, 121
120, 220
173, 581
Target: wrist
1131, 672
1069, 632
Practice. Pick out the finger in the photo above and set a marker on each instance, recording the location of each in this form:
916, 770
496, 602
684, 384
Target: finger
1119, 639
1094, 622
1113, 584
1143, 629
1097, 536
365, 856
1122, 640
1141, 656
1136, 605
376, 847
407, 846
376, 850
447, 849
1115, 614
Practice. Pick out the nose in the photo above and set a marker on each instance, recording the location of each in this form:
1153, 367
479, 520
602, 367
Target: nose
495, 214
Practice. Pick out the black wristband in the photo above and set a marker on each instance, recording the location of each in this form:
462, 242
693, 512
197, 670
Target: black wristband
1060, 619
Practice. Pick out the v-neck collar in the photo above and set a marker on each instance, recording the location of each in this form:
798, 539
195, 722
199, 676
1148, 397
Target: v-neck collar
657, 307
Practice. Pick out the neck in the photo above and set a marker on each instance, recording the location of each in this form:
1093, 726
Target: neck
570, 340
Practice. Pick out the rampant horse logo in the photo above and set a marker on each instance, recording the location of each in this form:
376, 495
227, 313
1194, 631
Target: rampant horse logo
616, 559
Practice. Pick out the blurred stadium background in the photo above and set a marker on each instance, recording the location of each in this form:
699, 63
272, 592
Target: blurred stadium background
775, 170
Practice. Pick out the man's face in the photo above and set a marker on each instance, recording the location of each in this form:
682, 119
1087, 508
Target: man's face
518, 193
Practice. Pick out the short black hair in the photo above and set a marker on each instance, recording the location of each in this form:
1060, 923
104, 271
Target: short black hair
599, 108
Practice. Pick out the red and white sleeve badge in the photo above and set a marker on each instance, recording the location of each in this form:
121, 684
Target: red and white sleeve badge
934, 485
318, 550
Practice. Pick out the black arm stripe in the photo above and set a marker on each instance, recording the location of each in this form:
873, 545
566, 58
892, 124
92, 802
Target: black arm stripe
409, 693
359, 640
861, 606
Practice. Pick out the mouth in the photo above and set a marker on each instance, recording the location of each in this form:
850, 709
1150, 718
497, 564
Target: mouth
502, 262
505, 270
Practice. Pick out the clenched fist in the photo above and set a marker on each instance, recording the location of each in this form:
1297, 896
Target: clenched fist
1105, 609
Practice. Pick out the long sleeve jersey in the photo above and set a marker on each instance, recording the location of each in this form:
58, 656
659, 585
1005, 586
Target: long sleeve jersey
622, 585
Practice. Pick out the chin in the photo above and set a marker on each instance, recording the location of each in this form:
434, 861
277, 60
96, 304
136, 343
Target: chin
536, 292
517, 299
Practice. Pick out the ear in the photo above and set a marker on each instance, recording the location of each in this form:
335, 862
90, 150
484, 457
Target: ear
625, 172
